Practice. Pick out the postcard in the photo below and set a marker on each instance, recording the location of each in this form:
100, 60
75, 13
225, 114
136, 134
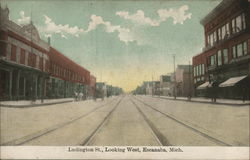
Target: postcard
123, 79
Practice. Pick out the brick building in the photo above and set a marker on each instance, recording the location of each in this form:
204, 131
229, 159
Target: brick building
222, 69
31, 69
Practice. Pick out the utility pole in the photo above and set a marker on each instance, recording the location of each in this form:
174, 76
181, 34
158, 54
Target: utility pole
174, 78
189, 86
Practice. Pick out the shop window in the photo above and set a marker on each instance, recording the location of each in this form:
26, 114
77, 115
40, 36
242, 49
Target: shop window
219, 58
225, 56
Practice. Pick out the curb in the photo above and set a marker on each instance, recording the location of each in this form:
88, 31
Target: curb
34, 105
213, 103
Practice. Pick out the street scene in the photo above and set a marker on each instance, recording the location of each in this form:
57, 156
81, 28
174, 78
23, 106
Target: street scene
112, 73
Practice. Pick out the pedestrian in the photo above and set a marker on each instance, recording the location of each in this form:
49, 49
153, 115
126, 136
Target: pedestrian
76, 95
80, 96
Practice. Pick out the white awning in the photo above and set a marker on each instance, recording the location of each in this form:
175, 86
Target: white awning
203, 86
232, 81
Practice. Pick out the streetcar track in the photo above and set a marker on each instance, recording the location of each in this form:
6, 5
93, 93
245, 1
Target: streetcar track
30, 137
161, 139
99, 127
220, 142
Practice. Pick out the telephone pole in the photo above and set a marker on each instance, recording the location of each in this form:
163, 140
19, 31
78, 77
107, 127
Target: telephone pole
174, 78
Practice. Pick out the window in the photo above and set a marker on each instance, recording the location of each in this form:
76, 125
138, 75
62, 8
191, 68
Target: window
37, 61
22, 57
233, 26
215, 36
13, 53
227, 30
203, 69
243, 21
208, 40
239, 50
234, 52
220, 34
219, 58
245, 48
238, 23
225, 56
223, 32
211, 39
212, 60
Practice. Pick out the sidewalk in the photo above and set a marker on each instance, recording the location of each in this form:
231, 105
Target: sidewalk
29, 103
207, 100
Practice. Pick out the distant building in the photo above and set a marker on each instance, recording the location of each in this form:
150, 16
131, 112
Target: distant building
101, 90
92, 88
165, 85
184, 83
223, 67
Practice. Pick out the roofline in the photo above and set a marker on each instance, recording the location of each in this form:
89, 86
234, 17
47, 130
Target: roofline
217, 10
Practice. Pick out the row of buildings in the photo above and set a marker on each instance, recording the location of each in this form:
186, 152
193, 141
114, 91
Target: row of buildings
222, 69
179, 83
31, 68
105, 90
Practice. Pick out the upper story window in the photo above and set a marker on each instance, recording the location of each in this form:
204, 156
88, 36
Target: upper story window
199, 70
212, 38
238, 23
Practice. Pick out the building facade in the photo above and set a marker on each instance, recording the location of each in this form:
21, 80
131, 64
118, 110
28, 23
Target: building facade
223, 67
24, 60
184, 81
165, 85
31, 69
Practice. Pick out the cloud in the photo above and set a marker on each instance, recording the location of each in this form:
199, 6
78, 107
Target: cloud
124, 34
138, 17
53, 28
178, 15
23, 20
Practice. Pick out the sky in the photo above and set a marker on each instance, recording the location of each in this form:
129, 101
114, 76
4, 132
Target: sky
122, 42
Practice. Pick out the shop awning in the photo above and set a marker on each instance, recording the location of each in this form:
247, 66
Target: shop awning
232, 81
203, 86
